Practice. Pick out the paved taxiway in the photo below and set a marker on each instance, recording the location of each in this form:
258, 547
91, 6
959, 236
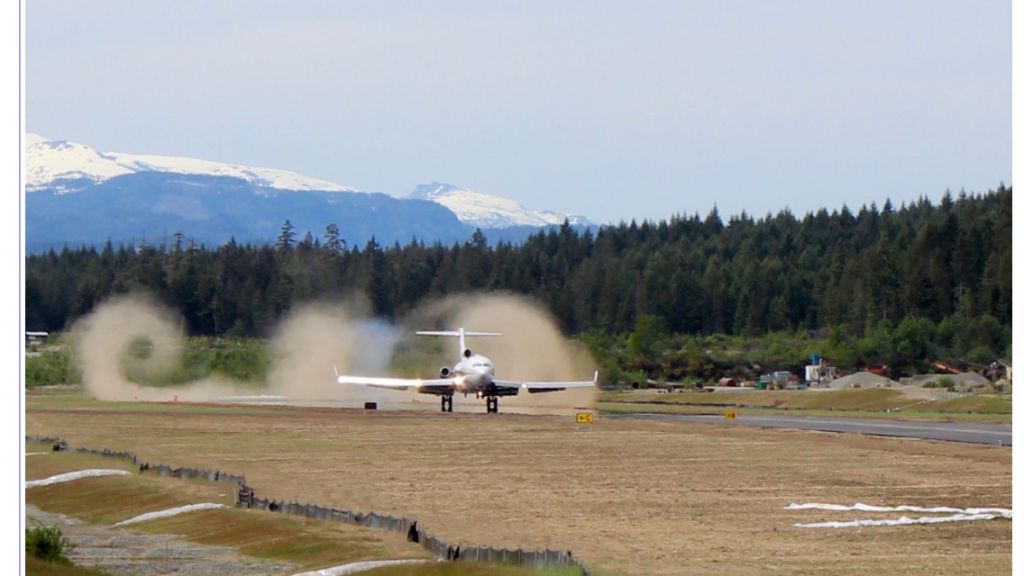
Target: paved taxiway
973, 433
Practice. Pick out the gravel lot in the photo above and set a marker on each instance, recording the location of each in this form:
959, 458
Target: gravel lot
126, 552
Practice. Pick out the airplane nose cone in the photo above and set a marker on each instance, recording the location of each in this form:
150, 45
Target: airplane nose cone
478, 380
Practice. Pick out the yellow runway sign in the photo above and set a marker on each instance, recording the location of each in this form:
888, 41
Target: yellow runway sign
730, 415
584, 418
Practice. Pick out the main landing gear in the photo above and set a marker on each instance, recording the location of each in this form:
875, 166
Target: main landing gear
492, 404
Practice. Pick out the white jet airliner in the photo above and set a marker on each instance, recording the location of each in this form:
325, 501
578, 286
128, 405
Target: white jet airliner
472, 374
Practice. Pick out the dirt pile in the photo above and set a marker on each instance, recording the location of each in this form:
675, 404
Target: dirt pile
965, 381
863, 380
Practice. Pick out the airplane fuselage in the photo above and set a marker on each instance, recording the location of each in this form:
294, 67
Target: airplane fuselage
473, 374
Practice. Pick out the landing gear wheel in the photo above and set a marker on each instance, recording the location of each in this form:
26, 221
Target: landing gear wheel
492, 404
446, 403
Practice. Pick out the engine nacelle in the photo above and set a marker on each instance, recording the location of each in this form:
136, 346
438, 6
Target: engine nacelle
467, 352
445, 372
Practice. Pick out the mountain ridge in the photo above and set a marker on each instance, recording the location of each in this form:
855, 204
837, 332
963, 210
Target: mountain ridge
211, 210
490, 211
66, 166
78, 195
47, 161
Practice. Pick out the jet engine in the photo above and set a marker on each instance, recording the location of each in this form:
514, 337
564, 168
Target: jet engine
445, 372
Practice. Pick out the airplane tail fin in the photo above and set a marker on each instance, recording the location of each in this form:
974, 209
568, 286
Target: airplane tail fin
461, 333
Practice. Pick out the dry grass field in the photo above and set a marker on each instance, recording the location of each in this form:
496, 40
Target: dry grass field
248, 541
627, 497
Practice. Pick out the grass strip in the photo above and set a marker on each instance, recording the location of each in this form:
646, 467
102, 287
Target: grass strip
308, 543
862, 403
36, 567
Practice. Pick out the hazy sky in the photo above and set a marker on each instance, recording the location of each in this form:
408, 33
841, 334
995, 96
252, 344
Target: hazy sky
615, 110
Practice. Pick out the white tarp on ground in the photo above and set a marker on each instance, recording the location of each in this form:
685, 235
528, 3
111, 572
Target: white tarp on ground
953, 515
858, 507
74, 476
169, 512
901, 521
356, 567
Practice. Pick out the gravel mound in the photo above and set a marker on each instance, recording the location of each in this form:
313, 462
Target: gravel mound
863, 380
964, 381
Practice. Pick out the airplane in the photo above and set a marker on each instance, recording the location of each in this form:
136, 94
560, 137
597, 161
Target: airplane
472, 374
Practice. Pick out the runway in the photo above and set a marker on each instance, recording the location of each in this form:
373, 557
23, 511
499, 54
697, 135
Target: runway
463, 405
972, 433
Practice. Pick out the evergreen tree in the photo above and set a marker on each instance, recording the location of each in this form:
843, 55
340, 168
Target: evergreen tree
286, 238
334, 242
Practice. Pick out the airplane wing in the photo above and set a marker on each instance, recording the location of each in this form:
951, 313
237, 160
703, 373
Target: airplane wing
537, 387
430, 386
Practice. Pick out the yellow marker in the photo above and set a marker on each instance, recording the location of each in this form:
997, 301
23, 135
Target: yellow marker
730, 415
584, 418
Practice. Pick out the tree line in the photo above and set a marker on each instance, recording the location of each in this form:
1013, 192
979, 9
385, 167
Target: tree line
840, 270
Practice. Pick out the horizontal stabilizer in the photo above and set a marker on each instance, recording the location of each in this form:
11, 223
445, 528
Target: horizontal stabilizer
461, 334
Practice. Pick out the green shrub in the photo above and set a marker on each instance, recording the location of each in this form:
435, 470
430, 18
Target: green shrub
240, 360
50, 368
47, 543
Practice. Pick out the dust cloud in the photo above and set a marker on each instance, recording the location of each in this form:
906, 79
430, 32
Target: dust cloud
103, 339
317, 338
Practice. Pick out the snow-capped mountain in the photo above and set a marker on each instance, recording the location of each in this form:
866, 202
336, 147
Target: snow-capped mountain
489, 211
81, 196
60, 164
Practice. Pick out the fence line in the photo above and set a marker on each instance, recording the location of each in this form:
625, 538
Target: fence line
245, 497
